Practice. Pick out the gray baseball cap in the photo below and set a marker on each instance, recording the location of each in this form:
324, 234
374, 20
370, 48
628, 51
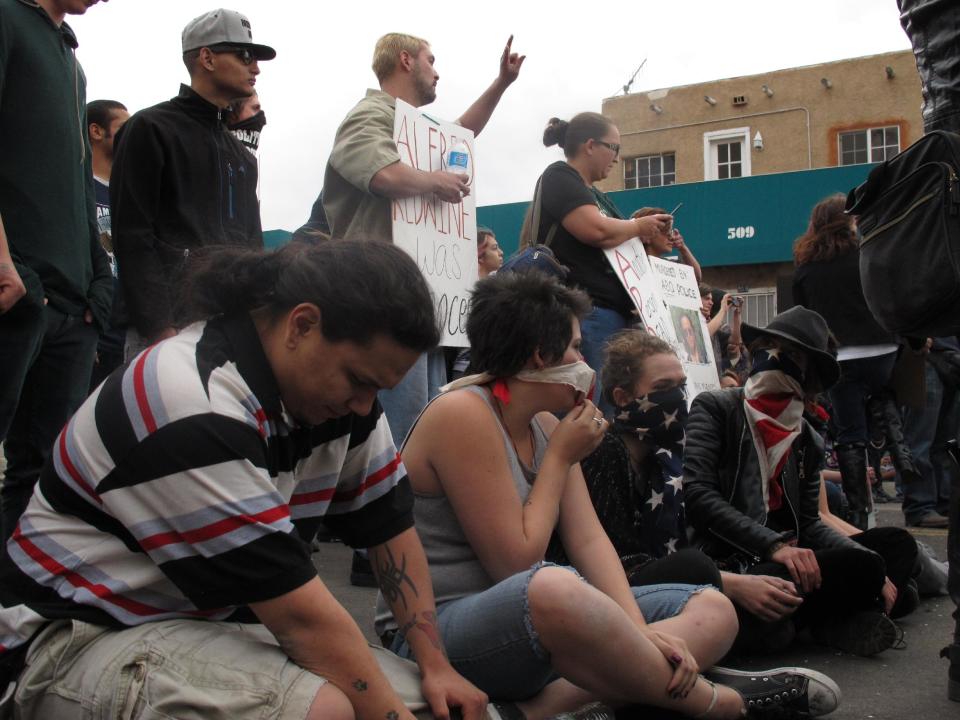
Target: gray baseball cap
223, 27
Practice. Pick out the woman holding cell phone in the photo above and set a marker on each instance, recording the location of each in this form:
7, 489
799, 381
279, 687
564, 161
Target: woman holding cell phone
668, 241
579, 223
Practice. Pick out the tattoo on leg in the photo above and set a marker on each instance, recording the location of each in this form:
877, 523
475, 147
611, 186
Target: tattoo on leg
360, 685
392, 577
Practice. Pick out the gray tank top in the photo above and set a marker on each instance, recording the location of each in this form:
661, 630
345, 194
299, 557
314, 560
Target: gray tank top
455, 569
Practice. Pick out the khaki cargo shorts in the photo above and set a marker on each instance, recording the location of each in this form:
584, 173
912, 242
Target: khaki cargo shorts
183, 669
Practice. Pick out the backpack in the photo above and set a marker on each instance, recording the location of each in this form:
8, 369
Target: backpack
908, 214
532, 255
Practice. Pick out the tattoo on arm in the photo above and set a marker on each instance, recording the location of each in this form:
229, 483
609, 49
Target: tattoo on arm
360, 685
393, 715
392, 577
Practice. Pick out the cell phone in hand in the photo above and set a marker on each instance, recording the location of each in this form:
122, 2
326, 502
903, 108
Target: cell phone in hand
736, 301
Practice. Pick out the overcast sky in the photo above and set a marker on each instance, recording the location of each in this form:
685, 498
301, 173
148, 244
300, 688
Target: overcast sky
577, 54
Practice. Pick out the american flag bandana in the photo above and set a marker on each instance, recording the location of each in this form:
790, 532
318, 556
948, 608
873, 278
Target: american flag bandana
660, 419
772, 400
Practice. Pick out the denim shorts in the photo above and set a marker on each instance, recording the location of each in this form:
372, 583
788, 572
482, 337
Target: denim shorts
490, 639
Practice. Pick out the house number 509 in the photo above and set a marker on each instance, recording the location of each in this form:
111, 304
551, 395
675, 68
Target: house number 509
740, 232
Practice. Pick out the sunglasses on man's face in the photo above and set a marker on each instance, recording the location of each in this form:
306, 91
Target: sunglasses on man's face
243, 54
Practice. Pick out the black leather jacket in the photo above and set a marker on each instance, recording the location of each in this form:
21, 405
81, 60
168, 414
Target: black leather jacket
722, 484
931, 26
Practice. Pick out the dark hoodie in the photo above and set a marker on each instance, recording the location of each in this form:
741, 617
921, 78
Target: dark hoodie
46, 179
180, 182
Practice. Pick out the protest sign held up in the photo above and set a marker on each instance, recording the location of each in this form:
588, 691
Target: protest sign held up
440, 236
666, 296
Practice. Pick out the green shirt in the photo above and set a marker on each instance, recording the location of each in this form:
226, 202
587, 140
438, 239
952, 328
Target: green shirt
363, 146
47, 199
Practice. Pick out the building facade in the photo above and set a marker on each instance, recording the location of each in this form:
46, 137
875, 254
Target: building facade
853, 111
849, 112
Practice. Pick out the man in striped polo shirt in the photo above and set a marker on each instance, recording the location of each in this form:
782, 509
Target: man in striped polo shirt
180, 500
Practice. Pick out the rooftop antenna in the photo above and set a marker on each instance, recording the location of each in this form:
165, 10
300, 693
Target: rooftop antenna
626, 88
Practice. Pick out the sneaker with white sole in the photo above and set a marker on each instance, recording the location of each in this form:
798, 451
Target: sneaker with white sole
787, 692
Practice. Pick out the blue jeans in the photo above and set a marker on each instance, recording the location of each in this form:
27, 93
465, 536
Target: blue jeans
596, 329
927, 432
858, 380
46, 358
490, 639
404, 402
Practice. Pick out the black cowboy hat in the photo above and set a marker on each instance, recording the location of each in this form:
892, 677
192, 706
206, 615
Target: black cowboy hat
807, 330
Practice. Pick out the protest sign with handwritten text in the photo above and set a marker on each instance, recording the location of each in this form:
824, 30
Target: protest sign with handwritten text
440, 236
681, 294
666, 296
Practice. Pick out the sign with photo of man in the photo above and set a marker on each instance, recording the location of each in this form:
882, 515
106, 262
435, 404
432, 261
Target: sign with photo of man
667, 300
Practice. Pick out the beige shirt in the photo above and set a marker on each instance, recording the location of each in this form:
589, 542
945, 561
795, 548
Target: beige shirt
363, 146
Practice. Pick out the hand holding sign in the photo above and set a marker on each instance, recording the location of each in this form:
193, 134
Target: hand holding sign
450, 187
439, 228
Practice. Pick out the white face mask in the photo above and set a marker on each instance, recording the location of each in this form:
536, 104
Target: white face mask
578, 375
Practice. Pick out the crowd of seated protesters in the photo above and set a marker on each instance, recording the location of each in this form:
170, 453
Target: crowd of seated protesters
489, 499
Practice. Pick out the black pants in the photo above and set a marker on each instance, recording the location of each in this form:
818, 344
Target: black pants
45, 362
851, 581
899, 552
687, 566
929, 25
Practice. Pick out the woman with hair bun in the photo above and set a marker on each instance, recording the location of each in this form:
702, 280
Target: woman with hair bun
579, 222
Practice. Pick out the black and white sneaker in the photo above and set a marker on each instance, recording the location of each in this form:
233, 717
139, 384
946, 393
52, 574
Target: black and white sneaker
788, 692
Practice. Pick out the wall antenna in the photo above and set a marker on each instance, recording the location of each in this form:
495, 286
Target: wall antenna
626, 88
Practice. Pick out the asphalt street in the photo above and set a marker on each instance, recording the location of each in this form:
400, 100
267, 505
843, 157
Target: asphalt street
894, 685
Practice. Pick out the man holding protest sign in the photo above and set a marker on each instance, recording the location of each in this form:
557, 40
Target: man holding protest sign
364, 175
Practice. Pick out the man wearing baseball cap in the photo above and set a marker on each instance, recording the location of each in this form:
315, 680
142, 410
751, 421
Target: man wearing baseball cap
181, 181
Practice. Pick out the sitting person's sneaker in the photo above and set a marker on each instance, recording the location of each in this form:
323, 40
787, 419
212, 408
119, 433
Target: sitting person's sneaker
788, 692
952, 652
864, 633
907, 601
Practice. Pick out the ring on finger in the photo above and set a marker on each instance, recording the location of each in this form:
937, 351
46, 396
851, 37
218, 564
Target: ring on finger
598, 420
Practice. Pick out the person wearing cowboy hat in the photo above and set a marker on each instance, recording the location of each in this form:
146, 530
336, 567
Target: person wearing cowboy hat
752, 483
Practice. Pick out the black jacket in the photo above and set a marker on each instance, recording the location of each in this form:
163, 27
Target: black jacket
180, 181
833, 289
722, 484
46, 181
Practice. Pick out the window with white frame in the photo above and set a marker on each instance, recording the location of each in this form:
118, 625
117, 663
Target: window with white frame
759, 306
869, 145
649, 171
726, 154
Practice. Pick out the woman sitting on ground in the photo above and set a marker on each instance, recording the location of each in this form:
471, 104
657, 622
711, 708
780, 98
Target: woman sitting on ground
496, 475
635, 482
